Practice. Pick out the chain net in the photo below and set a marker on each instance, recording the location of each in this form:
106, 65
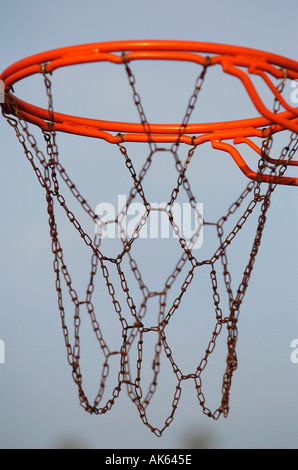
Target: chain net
47, 167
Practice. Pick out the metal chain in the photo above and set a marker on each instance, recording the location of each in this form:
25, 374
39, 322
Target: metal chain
48, 170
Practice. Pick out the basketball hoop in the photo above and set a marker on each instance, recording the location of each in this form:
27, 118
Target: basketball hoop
256, 133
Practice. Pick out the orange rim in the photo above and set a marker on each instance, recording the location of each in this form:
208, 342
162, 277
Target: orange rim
230, 58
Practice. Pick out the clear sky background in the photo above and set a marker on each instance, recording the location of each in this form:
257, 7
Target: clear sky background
38, 402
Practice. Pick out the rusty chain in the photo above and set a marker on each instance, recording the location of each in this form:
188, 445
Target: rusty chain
48, 169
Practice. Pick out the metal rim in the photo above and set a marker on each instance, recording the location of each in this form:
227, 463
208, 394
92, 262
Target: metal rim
229, 57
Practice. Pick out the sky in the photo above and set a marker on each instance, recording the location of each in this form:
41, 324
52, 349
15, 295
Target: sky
39, 407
